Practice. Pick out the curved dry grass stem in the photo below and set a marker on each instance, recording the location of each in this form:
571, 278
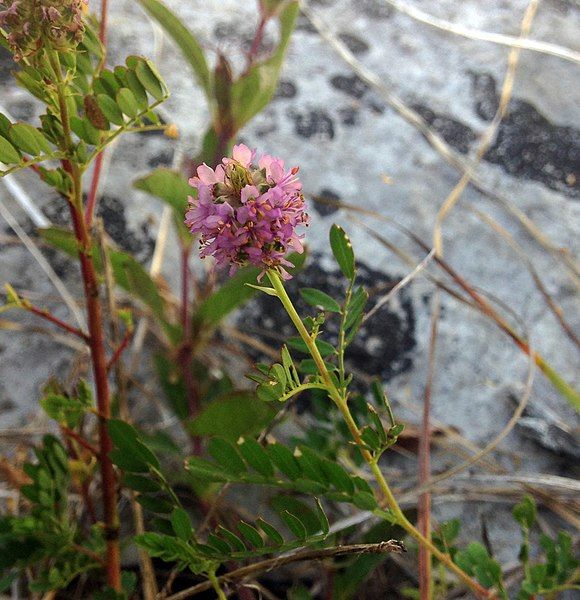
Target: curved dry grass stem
551, 303
496, 441
485, 36
400, 285
44, 265
490, 132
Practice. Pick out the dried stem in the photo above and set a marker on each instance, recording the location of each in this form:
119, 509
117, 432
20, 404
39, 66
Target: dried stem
302, 556
424, 521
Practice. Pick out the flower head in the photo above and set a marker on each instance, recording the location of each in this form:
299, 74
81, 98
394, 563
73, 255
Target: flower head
34, 24
247, 213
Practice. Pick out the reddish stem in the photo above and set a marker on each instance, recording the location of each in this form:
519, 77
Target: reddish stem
80, 440
120, 348
103, 24
424, 505
256, 42
99, 362
185, 292
186, 351
92, 196
50, 317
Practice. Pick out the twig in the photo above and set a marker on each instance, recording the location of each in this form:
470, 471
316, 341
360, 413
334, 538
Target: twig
564, 388
304, 555
96, 333
46, 315
119, 350
80, 440
424, 517
149, 582
397, 288
550, 302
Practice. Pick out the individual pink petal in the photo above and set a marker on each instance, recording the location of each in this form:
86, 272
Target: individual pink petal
249, 191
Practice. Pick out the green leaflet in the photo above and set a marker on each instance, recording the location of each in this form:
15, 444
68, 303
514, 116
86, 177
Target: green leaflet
186, 41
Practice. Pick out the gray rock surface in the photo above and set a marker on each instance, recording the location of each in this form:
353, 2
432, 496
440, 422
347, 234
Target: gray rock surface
346, 140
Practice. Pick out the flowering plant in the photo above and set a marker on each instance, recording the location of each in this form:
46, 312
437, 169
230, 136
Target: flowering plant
63, 527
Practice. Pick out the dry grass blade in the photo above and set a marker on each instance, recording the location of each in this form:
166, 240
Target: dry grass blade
490, 132
485, 36
44, 265
397, 288
551, 303
562, 386
424, 505
25, 202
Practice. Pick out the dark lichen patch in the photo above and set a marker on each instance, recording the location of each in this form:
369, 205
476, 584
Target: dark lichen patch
57, 212
315, 123
112, 211
455, 133
376, 106
321, 207
304, 24
527, 144
286, 89
7, 405
161, 159
376, 9
22, 110
385, 343
229, 33
349, 115
241, 37
355, 44
352, 85
268, 126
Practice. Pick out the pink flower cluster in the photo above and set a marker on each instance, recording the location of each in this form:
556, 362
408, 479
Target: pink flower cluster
247, 212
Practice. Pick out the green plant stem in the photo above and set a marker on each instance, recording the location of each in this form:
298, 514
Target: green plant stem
341, 402
96, 339
216, 586
341, 336
301, 388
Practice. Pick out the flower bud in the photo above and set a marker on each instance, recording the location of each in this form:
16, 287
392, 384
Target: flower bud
36, 24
